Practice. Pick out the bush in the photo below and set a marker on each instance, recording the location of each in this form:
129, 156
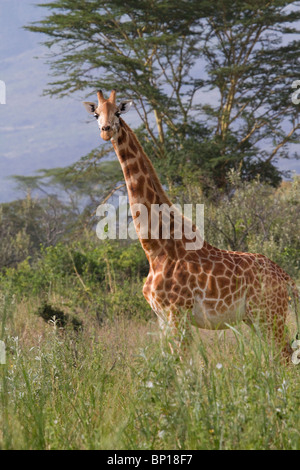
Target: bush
103, 278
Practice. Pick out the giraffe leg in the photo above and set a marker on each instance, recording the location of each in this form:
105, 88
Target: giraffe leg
269, 318
278, 333
176, 328
277, 324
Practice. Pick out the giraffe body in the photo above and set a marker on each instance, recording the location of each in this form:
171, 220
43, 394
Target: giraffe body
213, 287
218, 288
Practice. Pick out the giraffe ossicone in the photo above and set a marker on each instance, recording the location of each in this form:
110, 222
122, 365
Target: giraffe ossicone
208, 287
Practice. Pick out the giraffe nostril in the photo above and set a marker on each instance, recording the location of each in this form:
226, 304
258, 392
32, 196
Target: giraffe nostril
106, 128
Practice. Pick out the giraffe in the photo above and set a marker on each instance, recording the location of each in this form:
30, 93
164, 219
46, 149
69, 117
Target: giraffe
210, 287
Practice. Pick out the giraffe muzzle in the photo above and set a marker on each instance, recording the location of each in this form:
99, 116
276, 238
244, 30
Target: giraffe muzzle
106, 133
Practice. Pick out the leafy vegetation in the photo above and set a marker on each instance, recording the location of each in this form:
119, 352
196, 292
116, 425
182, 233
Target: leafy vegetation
109, 387
84, 365
170, 59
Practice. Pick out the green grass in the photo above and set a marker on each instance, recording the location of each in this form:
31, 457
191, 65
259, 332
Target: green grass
110, 387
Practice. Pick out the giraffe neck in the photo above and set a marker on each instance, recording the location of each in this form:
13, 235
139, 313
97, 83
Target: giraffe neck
135, 163
143, 186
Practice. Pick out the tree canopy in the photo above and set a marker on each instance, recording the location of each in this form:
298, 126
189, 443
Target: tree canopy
211, 82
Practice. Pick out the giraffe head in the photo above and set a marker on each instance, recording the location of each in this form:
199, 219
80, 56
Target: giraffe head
107, 113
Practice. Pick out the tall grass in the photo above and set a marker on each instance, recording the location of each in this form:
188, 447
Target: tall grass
110, 387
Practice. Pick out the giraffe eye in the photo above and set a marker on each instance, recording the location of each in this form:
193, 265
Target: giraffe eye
96, 116
117, 114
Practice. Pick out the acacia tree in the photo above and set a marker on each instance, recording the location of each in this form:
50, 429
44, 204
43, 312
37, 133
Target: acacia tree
162, 53
251, 49
143, 49
28, 223
73, 192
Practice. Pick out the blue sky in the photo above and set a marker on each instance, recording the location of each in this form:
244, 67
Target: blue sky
37, 131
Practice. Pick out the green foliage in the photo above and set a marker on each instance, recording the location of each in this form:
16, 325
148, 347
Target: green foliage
104, 278
26, 224
110, 387
91, 258
152, 53
217, 405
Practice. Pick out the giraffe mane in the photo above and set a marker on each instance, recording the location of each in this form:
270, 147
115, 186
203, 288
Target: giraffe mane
154, 178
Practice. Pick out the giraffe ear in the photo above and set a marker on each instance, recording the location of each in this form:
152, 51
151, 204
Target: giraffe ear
90, 107
124, 106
